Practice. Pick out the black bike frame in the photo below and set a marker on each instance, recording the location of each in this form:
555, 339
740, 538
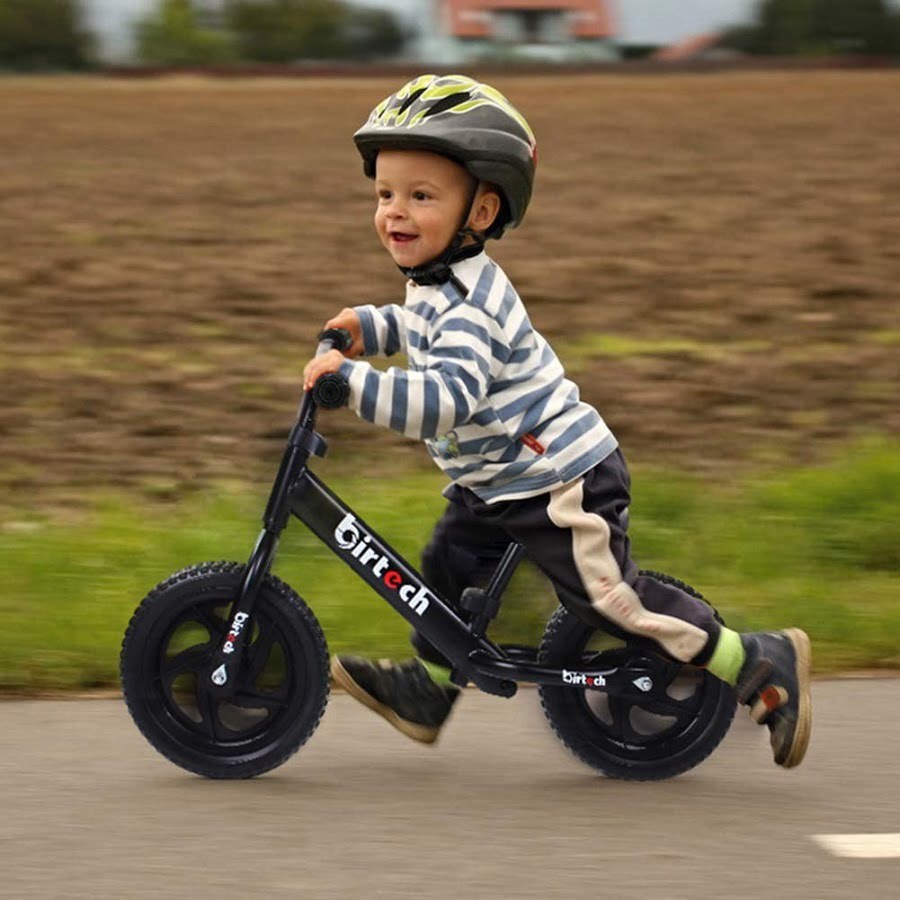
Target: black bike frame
297, 491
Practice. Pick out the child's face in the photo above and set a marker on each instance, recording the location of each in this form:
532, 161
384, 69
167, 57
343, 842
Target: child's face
421, 200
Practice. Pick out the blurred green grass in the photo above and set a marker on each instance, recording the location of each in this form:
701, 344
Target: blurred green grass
818, 548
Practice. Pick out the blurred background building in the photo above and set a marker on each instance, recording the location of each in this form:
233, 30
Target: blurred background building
457, 31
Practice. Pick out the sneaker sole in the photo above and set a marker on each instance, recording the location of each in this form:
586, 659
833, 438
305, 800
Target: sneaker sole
802, 648
424, 734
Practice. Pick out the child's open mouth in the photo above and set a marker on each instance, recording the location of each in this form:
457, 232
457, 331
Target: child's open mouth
401, 237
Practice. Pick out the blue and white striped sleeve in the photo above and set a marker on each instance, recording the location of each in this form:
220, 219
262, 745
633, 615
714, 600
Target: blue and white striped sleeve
423, 404
383, 329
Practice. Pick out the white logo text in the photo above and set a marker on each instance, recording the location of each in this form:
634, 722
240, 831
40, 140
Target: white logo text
580, 678
353, 539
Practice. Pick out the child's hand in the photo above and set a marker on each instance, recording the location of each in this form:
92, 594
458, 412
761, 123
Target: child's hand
321, 365
347, 318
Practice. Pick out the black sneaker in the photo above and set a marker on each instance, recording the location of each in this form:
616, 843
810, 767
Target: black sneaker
774, 683
403, 693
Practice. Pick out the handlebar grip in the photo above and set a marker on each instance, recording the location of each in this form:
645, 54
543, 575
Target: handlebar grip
339, 338
331, 390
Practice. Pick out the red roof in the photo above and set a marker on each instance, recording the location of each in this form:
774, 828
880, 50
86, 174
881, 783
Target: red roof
470, 19
689, 48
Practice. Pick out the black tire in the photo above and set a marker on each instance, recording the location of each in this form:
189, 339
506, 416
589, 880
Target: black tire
640, 736
283, 682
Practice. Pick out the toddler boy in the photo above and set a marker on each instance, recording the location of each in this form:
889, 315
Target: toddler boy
453, 163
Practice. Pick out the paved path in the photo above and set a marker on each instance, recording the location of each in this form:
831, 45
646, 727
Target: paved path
496, 810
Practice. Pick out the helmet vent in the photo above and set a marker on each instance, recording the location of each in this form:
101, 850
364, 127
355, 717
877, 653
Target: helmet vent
410, 100
446, 103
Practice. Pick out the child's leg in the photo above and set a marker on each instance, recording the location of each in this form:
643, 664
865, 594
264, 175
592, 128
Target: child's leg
417, 696
577, 535
463, 551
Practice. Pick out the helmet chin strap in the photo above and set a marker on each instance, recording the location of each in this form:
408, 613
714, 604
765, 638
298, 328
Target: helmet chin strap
437, 270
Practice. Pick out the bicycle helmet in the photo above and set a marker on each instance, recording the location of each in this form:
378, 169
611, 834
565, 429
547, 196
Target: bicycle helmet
466, 120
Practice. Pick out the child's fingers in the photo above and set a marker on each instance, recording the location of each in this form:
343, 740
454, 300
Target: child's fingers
347, 318
309, 375
311, 378
344, 319
321, 365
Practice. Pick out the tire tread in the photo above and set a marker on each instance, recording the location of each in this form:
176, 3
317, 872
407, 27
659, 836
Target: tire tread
264, 763
566, 731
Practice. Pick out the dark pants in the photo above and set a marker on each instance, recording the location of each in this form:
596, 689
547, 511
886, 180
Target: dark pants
577, 536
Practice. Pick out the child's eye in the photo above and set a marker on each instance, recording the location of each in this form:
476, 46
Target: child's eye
420, 195
384, 195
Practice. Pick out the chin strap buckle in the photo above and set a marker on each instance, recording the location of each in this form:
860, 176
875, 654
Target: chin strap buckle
438, 270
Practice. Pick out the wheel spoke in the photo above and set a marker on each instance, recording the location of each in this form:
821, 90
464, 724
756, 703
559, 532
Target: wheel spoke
251, 698
679, 709
208, 708
209, 620
261, 650
190, 660
629, 734
619, 712
666, 673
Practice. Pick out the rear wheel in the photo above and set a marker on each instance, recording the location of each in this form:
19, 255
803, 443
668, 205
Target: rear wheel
653, 730
282, 684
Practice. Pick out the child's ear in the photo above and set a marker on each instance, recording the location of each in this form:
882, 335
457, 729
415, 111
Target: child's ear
484, 209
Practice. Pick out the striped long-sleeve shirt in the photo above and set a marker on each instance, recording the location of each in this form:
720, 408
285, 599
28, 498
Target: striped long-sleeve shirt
483, 389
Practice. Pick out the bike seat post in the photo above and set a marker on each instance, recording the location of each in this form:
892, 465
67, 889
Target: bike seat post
505, 569
485, 604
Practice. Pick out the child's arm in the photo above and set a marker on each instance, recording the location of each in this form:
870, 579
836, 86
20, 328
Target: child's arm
383, 329
466, 342
375, 332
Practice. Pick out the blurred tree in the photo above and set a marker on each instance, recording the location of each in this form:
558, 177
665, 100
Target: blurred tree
373, 33
743, 38
174, 35
43, 34
786, 27
281, 31
863, 26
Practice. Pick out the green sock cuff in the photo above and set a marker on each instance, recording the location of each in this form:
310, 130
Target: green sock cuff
438, 674
728, 657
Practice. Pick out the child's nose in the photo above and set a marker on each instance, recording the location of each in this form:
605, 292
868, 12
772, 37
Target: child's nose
396, 209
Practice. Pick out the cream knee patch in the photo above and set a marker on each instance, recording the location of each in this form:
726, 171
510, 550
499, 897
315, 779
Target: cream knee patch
621, 604
602, 578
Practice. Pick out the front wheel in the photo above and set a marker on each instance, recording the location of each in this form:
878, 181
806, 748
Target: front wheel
640, 734
282, 685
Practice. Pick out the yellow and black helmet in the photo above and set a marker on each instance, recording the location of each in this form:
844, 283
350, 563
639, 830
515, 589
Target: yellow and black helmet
469, 122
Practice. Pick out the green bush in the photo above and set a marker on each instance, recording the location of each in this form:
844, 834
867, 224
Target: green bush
43, 34
283, 31
174, 36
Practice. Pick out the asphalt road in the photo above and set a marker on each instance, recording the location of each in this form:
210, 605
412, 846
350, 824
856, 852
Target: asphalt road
497, 809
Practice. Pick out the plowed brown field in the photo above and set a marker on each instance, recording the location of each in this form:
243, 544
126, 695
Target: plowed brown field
716, 258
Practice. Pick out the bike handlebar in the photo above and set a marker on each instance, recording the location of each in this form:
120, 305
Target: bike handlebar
334, 339
332, 390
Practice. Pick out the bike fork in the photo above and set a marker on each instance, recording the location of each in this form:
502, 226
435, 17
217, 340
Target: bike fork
221, 674
222, 671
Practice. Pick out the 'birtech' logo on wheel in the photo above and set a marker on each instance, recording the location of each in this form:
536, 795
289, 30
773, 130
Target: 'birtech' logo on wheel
352, 538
